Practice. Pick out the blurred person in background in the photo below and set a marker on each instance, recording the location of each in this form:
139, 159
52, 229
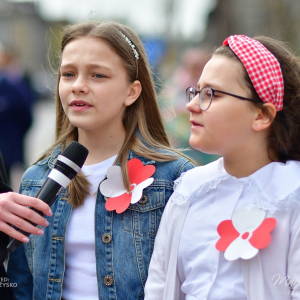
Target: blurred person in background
19, 78
16, 99
173, 107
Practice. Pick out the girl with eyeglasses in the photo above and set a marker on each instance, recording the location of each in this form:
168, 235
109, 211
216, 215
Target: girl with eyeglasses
99, 241
231, 229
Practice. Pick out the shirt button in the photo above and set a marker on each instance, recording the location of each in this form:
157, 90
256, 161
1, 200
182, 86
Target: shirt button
106, 238
108, 280
143, 200
240, 185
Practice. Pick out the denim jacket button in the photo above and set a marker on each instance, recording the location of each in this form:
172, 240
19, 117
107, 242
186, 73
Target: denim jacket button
108, 280
143, 200
106, 238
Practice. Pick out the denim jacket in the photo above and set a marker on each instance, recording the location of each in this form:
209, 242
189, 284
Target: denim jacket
121, 262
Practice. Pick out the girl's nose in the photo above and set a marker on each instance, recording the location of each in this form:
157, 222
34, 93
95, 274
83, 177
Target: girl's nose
80, 86
194, 105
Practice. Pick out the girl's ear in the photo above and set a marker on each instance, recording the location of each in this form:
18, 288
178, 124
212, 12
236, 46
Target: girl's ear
134, 92
264, 117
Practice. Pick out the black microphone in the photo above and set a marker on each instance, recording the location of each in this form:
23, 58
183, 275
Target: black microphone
67, 165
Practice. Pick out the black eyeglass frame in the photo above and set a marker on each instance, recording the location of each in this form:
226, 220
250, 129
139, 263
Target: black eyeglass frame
212, 95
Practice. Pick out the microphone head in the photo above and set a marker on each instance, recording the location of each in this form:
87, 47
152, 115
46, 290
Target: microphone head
76, 152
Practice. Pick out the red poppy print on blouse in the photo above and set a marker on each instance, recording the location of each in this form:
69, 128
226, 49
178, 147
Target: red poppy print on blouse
245, 234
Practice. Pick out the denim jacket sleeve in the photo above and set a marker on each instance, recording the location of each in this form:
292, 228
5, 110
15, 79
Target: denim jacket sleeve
185, 167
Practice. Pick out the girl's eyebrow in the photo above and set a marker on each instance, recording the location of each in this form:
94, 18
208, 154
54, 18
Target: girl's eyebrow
208, 84
91, 65
203, 84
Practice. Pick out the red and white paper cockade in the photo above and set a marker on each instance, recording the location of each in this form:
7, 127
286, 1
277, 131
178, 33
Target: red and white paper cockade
245, 234
113, 187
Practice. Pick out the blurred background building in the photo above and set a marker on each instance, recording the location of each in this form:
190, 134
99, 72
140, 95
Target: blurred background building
178, 35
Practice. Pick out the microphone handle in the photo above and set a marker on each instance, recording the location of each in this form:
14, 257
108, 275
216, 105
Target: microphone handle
48, 193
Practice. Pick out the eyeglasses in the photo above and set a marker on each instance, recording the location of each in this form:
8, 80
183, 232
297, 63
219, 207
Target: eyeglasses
206, 96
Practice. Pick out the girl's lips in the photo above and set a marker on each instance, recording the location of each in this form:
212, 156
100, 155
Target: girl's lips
196, 125
80, 105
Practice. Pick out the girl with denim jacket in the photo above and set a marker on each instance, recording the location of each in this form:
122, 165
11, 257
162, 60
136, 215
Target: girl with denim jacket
105, 100
231, 229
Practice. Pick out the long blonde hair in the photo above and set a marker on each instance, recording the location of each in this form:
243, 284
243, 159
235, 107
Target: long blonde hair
143, 114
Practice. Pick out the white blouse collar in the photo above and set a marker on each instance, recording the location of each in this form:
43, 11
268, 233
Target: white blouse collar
276, 186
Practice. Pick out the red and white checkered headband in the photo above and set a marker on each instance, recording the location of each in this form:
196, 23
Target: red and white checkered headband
262, 67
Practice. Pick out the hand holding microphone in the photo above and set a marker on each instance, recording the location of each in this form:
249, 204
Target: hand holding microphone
68, 164
15, 210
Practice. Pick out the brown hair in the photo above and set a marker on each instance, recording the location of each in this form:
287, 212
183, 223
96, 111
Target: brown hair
143, 114
284, 137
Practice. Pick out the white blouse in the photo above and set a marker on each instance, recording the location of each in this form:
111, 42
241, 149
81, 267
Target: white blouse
203, 270
186, 264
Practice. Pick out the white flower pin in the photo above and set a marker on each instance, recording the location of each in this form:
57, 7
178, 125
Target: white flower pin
112, 187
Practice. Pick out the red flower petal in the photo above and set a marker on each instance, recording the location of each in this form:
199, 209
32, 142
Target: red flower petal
227, 234
137, 172
120, 203
261, 237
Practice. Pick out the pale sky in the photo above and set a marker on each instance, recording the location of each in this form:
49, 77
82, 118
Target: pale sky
149, 17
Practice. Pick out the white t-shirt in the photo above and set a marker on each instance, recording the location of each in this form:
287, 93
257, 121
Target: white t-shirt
80, 261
